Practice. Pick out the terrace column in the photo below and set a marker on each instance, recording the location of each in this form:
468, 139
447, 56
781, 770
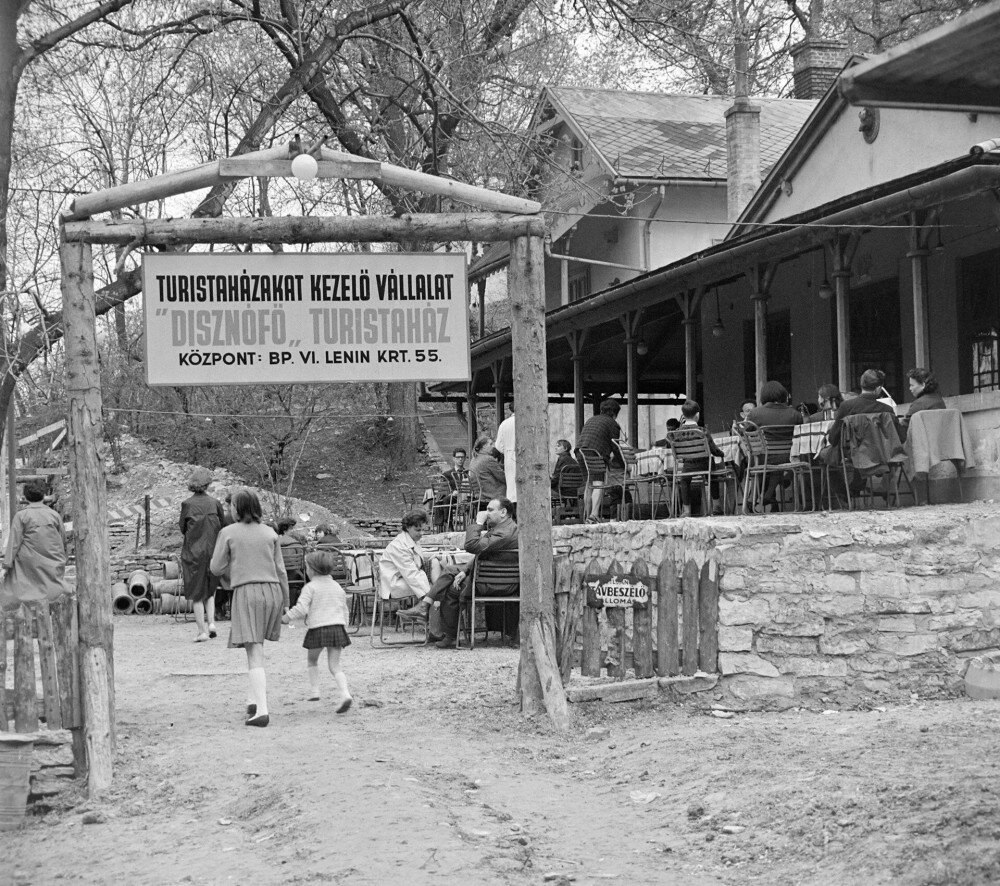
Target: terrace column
760, 277
497, 369
921, 226
689, 306
631, 322
843, 248
481, 289
576, 342
473, 420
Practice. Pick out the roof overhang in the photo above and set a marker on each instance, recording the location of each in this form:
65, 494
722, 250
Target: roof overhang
947, 182
955, 66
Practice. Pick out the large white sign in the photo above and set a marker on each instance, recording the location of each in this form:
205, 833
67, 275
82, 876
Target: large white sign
283, 319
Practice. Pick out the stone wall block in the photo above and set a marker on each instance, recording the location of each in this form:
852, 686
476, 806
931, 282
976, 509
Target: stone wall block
858, 561
843, 644
896, 606
897, 624
875, 663
980, 599
983, 534
733, 580
907, 644
751, 688
745, 663
792, 624
753, 611
966, 618
835, 583
972, 640
818, 540
837, 606
757, 556
802, 666
735, 639
888, 584
771, 643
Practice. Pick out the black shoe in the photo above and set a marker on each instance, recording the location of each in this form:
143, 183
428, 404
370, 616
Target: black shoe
344, 705
446, 643
251, 710
434, 638
262, 720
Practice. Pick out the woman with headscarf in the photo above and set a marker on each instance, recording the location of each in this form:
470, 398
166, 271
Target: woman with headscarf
201, 519
250, 553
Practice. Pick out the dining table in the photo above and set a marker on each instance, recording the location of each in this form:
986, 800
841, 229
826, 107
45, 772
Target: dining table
809, 438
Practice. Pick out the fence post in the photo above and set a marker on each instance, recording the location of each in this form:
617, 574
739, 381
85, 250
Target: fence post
642, 624
690, 617
47, 666
590, 659
3, 671
25, 703
708, 618
145, 509
667, 643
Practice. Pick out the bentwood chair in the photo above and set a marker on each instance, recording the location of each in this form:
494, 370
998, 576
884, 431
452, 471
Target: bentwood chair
445, 504
769, 451
490, 573
566, 504
690, 445
597, 475
870, 448
633, 482
294, 557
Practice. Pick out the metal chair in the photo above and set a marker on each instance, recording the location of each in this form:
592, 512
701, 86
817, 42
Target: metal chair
384, 606
769, 450
690, 445
596, 475
362, 577
632, 483
566, 504
293, 555
445, 503
489, 572
855, 457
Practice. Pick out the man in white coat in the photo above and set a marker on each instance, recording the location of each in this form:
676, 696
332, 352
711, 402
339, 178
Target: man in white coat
503, 443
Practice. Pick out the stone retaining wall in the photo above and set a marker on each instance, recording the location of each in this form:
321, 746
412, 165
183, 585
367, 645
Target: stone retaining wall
843, 607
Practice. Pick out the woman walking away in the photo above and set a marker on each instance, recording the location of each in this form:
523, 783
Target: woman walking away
323, 605
251, 553
35, 562
201, 519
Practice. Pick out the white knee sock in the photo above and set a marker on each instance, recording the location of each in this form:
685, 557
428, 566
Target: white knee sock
313, 672
341, 678
258, 689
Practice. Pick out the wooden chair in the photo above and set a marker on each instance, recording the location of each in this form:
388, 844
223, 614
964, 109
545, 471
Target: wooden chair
851, 459
445, 504
632, 483
336, 549
595, 473
362, 570
566, 504
504, 571
688, 445
769, 451
293, 555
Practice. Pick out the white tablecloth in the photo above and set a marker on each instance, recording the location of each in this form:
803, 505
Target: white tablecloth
809, 438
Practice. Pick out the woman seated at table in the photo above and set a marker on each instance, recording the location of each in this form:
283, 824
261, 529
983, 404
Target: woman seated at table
775, 408
924, 389
486, 472
830, 398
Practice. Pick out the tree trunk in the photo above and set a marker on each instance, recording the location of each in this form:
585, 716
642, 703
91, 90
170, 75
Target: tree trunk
402, 402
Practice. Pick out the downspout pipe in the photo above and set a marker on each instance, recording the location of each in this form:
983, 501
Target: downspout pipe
647, 257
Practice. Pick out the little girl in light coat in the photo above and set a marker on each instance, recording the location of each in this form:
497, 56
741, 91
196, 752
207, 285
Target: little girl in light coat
323, 605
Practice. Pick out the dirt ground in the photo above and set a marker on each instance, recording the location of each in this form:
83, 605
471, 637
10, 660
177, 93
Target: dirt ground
434, 777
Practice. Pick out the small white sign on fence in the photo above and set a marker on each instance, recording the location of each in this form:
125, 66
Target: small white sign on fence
622, 592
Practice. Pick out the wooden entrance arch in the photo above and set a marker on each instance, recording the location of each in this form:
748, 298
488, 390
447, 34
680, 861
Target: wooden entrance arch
508, 218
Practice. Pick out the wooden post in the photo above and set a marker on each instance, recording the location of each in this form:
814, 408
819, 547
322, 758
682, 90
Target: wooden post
576, 342
3, 671
843, 254
760, 277
145, 514
47, 666
481, 290
690, 618
473, 418
631, 323
668, 662
534, 514
497, 369
25, 699
921, 224
642, 624
90, 511
616, 641
590, 658
708, 618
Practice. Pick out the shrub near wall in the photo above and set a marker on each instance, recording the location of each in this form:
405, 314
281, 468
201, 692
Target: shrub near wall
847, 607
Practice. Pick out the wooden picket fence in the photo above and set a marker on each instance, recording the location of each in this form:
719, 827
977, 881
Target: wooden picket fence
686, 602
48, 632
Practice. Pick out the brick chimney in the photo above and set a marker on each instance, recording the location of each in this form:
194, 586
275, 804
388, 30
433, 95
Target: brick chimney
742, 142
816, 63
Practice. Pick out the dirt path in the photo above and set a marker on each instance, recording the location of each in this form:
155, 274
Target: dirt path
433, 777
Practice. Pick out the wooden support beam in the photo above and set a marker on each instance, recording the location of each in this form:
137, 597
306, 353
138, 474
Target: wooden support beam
922, 224
760, 277
843, 248
424, 183
359, 229
246, 167
577, 340
497, 370
630, 323
472, 418
90, 509
541, 686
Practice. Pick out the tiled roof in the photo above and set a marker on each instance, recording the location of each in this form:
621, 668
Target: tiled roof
648, 135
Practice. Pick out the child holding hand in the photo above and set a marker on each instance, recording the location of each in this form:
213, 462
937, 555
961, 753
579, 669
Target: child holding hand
323, 605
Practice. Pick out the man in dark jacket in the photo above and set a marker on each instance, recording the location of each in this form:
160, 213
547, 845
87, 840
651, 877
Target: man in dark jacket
492, 537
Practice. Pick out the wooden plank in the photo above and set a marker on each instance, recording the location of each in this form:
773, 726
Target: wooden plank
708, 618
3, 671
591, 658
625, 690
667, 628
689, 618
48, 667
243, 167
42, 432
642, 624
65, 650
25, 702
616, 642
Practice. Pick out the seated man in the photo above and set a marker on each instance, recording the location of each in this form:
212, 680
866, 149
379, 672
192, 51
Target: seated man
692, 415
454, 476
493, 536
485, 472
